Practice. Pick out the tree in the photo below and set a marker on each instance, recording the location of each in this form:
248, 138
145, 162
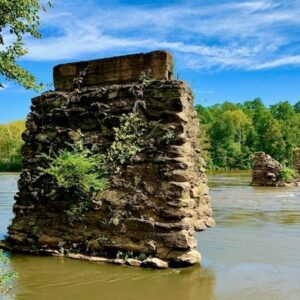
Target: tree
270, 136
229, 134
18, 18
254, 105
232, 132
204, 141
10, 145
282, 111
297, 107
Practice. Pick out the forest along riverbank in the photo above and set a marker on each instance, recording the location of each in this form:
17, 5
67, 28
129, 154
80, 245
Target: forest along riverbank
252, 253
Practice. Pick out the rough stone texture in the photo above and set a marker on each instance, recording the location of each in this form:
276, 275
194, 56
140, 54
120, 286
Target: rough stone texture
266, 170
187, 259
88, 258
297, 159
154, 205
133, 262
155, 263
120, 69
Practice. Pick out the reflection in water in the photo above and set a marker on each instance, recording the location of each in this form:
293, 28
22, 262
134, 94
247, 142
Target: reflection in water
257, 217
253, 253
59, 278
8, 187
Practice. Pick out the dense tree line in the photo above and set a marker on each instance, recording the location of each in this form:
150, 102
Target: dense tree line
10, 145
230, 132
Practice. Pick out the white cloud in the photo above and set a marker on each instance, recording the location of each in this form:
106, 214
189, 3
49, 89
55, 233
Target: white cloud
284, 61
248, 35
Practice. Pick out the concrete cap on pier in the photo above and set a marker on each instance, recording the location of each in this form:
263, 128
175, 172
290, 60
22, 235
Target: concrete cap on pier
113, 70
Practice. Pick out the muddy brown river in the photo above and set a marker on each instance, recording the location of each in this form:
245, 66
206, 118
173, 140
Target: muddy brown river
252, 253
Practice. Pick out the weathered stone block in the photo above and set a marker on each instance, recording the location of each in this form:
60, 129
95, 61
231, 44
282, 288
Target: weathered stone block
119, 69
265, 170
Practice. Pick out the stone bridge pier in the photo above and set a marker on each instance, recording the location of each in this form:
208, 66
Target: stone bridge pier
154, 204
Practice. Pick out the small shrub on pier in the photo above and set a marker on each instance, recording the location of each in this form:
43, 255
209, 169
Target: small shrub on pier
81, 170
287, 174
79, 167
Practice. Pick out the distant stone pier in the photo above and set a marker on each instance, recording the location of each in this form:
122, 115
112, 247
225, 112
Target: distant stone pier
154, 203
266, 170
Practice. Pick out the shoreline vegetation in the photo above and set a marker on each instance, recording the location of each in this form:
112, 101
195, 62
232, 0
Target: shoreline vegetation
10, 146
230, 134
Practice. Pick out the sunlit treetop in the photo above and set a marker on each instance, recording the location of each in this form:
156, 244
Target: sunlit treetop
18, 18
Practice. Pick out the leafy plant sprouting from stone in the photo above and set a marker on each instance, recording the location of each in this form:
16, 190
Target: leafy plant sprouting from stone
130, 254
83, 173
79, 169
128, 139
145, 78
78, 80
5, 277
137, 88
168, 137
287, 174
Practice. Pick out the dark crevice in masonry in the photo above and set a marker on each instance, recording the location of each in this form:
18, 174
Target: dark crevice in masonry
154, 204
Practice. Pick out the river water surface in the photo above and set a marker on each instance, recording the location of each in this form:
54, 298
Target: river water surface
252, 253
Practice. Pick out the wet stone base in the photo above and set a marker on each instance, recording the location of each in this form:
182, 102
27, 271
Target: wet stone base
154, 204
191, 258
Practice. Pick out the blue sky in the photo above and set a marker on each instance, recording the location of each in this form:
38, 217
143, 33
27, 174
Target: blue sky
226, 50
